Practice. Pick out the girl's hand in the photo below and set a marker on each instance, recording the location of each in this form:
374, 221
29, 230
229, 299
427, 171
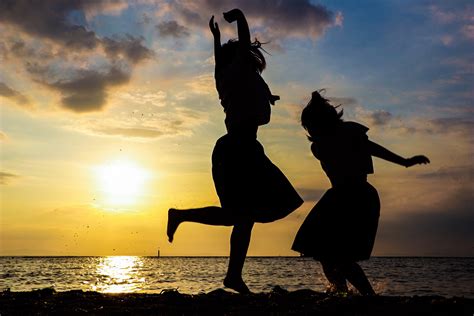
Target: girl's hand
416, 160
214, 28
233, 15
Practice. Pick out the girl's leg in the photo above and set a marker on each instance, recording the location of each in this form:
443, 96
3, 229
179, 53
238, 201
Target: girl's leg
210, 215
334, 276
356, 276
239, 244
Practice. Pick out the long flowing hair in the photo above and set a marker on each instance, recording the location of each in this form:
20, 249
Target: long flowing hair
255, 56
319, 116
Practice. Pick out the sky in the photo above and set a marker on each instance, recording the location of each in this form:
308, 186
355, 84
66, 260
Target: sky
109, 114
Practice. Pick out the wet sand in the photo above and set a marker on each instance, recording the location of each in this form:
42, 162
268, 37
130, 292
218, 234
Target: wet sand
221, 302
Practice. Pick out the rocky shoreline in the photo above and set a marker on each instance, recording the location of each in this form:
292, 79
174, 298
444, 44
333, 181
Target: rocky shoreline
221, 302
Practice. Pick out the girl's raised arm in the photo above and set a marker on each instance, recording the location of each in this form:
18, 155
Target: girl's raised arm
242, 25
214, 27
382, 152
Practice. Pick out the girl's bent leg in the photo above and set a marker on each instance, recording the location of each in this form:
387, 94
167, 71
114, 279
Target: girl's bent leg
356, 276
210, 215
334, 276
239, 244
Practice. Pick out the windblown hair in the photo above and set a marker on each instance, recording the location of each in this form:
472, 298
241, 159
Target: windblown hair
256, 57
319, 116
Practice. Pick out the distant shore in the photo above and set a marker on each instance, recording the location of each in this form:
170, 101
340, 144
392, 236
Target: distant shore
221, 302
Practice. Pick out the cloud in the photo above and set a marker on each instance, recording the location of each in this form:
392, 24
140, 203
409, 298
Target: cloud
54, 44
202, 84
87, 91
442, 16
468, 31
143, 123
17, 97
460, 16
6, 177
154, 98
128, 47
443, 230
131, 132
380, 117
3, 137
344, 101
375, 118
172, 29
277, 19
457, 173
52, 20
49, 19
459, 126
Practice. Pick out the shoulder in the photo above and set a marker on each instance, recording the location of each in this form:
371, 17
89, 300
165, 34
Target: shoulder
354, 128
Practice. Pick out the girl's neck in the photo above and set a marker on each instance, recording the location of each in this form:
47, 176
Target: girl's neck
249, 131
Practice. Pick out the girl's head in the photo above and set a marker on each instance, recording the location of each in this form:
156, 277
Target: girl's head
319, 116
231, 48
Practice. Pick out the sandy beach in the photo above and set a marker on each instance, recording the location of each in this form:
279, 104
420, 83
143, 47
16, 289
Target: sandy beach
221, 302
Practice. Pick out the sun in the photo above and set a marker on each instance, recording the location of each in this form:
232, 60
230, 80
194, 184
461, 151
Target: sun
121, 182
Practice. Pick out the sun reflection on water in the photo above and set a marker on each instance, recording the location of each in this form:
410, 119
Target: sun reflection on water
118, 275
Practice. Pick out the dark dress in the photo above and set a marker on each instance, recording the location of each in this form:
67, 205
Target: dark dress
247, 182
343, 224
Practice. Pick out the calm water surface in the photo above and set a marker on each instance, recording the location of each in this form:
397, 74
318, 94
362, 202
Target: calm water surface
390, 276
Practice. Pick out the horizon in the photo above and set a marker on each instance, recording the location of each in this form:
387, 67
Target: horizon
223, 256
109, 114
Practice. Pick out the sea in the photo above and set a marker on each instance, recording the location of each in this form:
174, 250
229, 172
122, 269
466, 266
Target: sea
396, 276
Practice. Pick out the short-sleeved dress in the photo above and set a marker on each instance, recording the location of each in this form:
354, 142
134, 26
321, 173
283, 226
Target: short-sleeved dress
343, 224
246, 181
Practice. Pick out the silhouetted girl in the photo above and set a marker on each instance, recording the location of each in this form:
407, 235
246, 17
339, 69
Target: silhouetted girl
250, 187
340, 230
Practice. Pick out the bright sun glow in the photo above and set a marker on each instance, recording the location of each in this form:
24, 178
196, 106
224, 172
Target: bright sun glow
122, 182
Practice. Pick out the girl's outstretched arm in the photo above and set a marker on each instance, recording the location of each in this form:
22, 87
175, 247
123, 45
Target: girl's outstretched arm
214, 27
242, 25
382, 152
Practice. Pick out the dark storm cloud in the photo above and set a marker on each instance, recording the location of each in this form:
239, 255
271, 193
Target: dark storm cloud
48, 19
50, 22
172, 29
280, 18
14, 95
87, 91
444, 229
6, 177
130, 47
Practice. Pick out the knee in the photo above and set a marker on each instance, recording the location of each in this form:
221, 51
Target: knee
243, 225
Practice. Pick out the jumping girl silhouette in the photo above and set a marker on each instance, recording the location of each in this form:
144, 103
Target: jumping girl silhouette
250, 187
340, 230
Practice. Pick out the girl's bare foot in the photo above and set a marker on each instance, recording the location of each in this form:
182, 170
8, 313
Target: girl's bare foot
236, 284
173, 223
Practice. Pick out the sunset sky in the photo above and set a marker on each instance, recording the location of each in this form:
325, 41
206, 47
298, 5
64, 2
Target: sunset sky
109, 115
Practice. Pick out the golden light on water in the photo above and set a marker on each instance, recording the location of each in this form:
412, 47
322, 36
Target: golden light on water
121, 182
119, 274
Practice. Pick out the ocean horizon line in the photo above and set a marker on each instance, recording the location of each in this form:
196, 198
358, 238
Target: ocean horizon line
211, 256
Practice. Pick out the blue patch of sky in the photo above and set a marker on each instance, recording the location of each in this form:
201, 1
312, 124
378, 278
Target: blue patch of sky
129, 22
386, 46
